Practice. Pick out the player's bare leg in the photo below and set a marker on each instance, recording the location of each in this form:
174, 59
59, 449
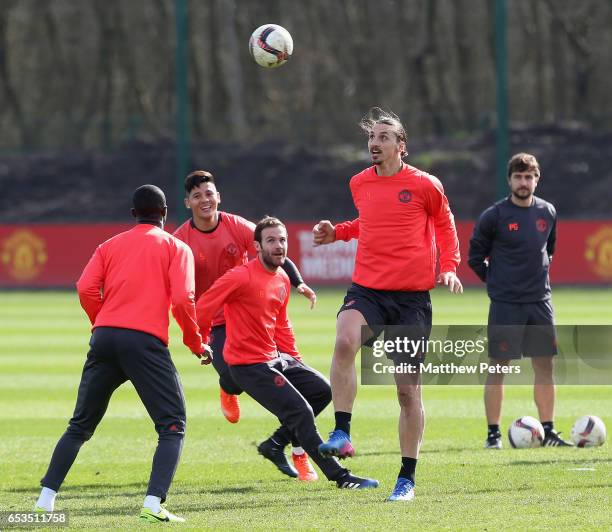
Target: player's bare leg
412, 415
343, 379
493, 399
544, 387
343, 376
411, 427
544, 392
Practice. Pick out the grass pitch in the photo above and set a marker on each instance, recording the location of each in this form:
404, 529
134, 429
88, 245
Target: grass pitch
223, 483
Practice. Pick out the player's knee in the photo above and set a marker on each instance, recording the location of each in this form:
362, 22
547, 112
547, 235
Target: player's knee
542, 365
299, 416
175, 428
496, 378
80, 433
326, 395
409, 397
229, 386
319, 401
346, 348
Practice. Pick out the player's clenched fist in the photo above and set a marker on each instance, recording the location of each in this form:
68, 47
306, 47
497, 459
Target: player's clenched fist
323, 233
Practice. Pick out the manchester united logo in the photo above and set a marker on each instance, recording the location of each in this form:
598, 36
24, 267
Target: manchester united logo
23, 254
541, 225
279, 380
405, 196
599, 251
232, 249
282, 294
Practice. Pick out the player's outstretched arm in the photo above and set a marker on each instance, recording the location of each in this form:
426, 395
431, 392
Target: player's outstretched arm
223, 290
291, 269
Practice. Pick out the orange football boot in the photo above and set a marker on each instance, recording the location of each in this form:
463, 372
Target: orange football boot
306, 472
229, 406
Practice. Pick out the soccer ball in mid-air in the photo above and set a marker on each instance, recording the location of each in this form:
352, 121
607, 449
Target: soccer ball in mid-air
271, 45
588, 431
526, 432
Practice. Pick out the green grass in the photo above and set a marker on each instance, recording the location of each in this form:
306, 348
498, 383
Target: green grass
223, 483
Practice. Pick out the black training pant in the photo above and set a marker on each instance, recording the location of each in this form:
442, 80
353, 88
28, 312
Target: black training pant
295, 394
283, 435
115, 356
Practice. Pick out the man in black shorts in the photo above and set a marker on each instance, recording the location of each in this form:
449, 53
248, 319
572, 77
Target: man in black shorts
511, 249
404, 219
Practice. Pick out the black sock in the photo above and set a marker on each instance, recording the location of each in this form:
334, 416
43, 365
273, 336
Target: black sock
343, 421
408, 468
548, 427
493, 430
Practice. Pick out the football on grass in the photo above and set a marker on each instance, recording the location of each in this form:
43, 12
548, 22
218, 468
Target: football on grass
588, 431
526, 432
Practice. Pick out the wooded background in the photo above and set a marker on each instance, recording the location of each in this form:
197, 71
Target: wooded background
93, 73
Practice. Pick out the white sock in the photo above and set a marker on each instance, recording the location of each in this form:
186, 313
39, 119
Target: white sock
46, 499
152, 503
298, 450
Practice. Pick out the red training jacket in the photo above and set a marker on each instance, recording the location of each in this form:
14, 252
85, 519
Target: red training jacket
401, 220
217, 251
133, 279
255, 305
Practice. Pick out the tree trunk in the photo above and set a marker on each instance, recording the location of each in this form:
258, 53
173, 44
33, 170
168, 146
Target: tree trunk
229, 51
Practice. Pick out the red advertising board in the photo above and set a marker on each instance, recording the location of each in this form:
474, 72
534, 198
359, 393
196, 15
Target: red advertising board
54, 255
583, 254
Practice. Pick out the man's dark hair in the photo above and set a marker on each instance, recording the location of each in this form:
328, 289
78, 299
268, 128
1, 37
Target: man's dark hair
376, 115
264, 223
148, 201
195, 179
523, 162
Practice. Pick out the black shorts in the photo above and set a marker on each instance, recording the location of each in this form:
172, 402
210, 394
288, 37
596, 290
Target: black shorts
398, 313
521, 329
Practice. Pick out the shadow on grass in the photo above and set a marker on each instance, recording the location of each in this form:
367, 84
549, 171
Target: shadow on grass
231, 489
196, 506
97, 491
446, 450
565, 460
504, 489
80, 487
247, 503
423, 451
377, 453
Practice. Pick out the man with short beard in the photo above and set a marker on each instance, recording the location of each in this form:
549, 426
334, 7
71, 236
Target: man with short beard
220, 241
511, 249
255, 298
